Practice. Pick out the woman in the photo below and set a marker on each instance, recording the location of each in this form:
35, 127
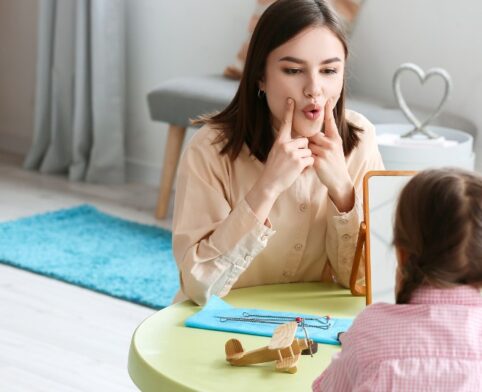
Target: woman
431, 340
269, 189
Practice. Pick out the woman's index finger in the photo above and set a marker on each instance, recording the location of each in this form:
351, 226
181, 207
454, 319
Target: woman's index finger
330, 123
286, 125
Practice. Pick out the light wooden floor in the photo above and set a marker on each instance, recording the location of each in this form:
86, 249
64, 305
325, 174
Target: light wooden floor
55, 336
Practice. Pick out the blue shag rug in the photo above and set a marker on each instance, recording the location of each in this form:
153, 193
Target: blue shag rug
91, 249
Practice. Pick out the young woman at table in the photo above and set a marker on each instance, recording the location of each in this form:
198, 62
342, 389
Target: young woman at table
431, 340
269, 190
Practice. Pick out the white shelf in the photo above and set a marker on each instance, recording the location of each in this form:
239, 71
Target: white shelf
417, 157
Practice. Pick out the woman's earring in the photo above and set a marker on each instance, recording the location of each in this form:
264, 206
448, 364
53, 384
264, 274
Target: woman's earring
261, 93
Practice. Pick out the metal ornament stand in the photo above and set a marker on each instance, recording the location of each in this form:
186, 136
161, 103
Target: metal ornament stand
420, 127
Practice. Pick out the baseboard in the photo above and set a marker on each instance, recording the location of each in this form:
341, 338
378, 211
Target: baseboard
136, 171
14, 144
142, 172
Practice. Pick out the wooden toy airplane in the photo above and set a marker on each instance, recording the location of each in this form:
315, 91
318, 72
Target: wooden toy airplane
284, 348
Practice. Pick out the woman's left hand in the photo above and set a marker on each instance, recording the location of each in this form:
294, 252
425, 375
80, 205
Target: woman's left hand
330, 164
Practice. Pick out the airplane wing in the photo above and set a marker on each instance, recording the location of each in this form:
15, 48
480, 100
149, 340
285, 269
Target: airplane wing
283, 336
288, 364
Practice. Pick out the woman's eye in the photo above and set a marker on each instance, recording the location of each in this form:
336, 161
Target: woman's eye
329, 71
292, 71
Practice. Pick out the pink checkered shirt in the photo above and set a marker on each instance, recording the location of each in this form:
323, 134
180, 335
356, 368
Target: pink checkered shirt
432, 344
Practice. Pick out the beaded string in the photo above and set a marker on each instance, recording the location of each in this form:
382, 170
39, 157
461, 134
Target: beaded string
323, 322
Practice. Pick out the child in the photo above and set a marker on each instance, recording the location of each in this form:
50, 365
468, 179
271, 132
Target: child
431, 340
269, 190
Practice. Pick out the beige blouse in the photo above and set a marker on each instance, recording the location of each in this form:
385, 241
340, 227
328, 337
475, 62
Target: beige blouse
219, 243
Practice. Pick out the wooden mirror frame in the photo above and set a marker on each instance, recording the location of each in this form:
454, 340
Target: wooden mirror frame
363, 241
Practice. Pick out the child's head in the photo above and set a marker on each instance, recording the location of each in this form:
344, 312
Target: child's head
438, 231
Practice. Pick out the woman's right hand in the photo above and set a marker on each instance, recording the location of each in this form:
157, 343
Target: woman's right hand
288, 157
286, 161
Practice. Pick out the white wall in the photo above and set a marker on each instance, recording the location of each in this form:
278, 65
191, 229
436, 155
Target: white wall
18, 45
167, 39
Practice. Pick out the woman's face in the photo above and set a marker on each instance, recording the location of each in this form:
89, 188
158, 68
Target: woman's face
308, 68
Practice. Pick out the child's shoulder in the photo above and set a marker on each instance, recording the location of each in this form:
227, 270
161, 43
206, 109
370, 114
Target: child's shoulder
374, 314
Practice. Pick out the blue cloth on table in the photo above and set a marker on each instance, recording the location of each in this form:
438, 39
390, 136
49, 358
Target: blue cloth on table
210, 317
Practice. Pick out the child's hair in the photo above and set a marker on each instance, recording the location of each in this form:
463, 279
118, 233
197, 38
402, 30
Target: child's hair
438, 223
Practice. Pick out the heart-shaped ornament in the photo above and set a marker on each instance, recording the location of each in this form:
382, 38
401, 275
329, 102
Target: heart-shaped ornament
423, 77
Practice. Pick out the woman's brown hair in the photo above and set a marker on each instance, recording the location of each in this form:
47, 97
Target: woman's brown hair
247, 118
438, 224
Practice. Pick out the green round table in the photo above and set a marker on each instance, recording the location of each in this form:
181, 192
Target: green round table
167, 356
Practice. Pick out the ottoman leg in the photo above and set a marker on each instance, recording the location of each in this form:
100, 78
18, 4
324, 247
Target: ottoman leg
172, 153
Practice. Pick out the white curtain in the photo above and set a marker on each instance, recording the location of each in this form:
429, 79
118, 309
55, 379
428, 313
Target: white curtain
79, 120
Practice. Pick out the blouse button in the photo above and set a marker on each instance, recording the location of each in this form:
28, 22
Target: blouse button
346, 237
298, 247
248, 258
303, 207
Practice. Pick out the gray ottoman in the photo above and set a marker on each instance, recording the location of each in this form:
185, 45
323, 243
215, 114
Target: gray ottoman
176, 102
